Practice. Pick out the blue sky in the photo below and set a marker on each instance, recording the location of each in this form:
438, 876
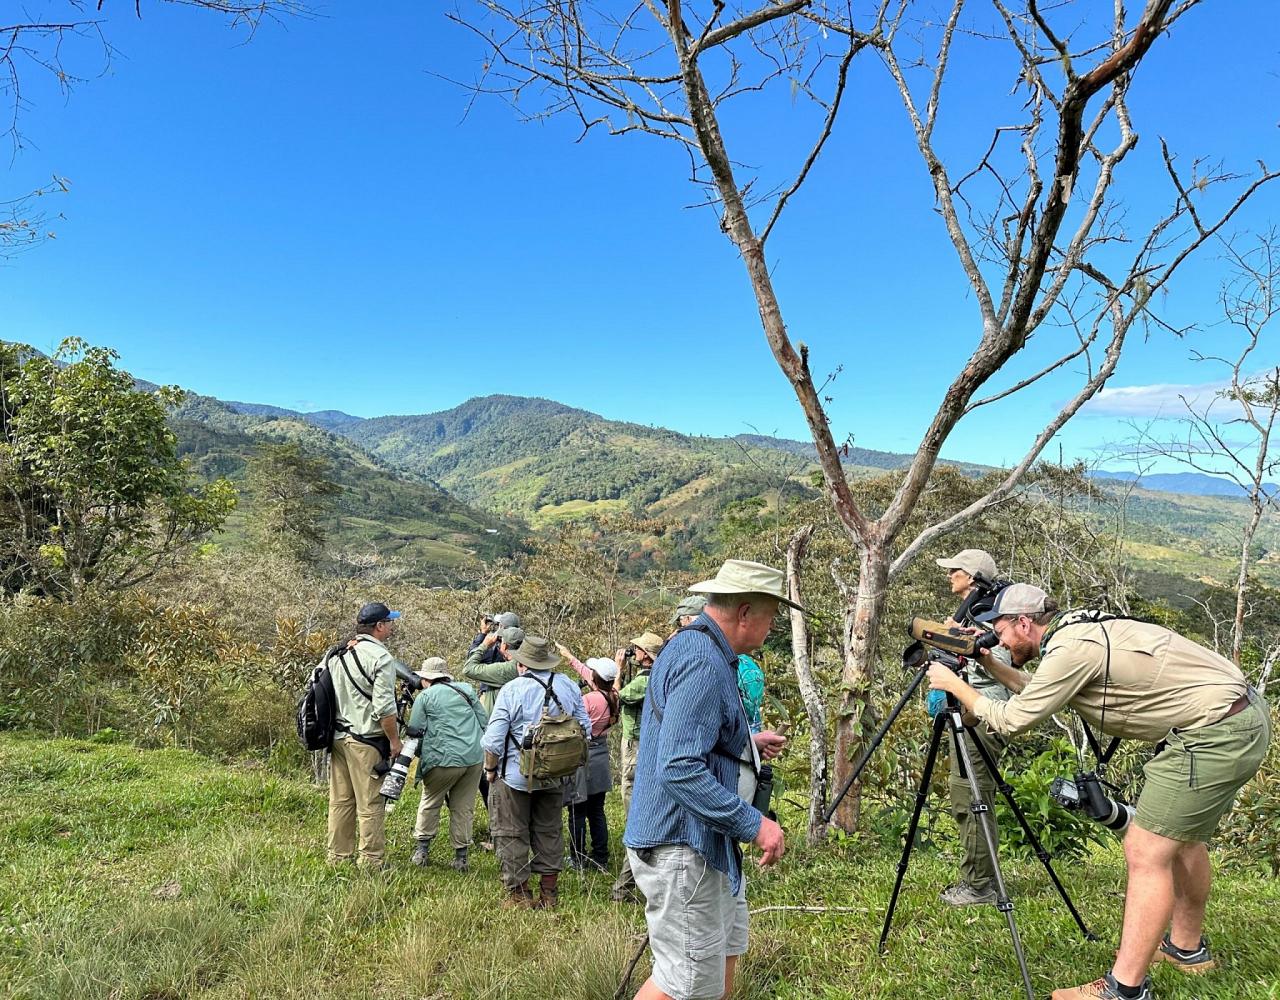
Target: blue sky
309, 220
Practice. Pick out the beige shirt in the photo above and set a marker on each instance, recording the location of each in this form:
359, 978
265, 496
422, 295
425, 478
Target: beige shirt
366, 693
1158, 681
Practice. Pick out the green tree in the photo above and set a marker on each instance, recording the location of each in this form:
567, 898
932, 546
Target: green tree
92, 492
292, 494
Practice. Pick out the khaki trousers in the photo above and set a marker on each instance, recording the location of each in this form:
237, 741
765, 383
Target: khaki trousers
522, 823
353, 794
630, 750
455, 787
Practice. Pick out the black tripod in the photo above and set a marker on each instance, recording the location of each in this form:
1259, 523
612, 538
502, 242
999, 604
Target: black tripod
953, 720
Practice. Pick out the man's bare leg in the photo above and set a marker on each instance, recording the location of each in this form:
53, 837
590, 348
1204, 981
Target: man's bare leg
650, 990
1148, 901
1191, 878
730, 967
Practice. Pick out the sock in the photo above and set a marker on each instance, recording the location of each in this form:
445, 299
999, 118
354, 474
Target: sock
1132, 992
1183, 952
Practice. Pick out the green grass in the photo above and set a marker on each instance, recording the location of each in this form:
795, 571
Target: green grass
161, 875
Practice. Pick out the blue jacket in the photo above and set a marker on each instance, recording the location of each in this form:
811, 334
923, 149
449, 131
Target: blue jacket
686, 784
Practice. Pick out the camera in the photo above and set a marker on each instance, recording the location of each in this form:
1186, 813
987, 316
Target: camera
1086, 794
393, 783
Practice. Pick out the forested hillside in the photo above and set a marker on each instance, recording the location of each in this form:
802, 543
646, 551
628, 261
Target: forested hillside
400, 514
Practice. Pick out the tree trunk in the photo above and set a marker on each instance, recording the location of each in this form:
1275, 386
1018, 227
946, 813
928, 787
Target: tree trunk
1242, 581
861, 643
814, 705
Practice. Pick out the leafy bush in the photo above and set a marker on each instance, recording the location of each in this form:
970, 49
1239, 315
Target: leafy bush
1062, 833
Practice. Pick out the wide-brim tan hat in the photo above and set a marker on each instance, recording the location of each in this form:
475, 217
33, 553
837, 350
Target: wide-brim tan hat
737, 576
535, 653
650, 642
434, 668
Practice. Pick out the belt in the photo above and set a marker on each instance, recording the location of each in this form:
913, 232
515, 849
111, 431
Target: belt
1237, 706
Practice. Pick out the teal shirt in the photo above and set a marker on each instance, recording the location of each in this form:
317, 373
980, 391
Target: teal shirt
632, 699
751, 687
451, 725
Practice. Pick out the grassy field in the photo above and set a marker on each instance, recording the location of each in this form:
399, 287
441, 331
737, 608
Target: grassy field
161, 875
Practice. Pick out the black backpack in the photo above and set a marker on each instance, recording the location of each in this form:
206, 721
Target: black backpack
317, 714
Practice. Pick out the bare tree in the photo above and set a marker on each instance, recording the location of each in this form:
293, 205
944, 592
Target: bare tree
815, 705
1034, 223
1228, 432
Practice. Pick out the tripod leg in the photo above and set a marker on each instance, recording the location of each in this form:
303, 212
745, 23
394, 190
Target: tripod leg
922, 793
1007, 791
985, 822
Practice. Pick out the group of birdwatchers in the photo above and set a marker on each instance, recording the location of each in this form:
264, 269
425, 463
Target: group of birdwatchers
515, 729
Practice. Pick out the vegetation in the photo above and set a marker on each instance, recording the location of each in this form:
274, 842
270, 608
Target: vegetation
136, 875
92, 491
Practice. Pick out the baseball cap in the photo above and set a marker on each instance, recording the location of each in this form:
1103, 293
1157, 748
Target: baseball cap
1016, 599
512, 635
508, 619
604, 667
975, 562
375, 612
691, 605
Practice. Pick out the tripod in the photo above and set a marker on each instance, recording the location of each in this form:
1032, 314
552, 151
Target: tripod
951, 719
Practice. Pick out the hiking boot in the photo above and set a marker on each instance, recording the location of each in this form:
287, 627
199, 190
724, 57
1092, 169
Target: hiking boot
548, 893
1102, 989
518, 898
459, 862
964, 894
421, 851
1191, 963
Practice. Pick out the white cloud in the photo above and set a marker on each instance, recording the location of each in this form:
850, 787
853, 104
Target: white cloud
1159, 400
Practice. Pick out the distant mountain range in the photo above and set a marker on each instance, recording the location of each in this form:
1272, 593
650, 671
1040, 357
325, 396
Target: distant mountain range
1188, 483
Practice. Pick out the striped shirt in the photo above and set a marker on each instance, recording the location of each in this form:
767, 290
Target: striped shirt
686, 784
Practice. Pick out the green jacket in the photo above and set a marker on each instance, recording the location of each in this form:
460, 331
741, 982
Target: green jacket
451, 725
632, 698
490, 676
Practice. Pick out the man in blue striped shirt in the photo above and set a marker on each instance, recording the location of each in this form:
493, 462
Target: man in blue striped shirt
695, 779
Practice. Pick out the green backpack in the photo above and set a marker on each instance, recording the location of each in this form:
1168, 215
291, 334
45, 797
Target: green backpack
555, 746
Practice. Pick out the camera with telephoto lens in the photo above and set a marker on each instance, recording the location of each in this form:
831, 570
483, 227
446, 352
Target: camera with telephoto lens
393, 783
1086, 794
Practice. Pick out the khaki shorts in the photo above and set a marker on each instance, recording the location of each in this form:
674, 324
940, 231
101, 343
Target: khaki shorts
695, 921
1192, 782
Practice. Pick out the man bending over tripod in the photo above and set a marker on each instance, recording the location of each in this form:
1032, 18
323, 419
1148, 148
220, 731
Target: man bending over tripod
1135, 680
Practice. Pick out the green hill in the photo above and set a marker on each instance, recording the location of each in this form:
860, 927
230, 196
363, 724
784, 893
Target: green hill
400, 513
545, 460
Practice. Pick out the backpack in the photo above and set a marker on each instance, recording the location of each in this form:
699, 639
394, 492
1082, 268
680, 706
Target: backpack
317, 711
555, 746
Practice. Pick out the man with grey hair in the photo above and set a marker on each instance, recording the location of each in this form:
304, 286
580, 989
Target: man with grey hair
695, 789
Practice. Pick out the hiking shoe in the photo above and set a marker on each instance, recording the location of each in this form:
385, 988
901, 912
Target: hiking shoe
459, 862
1191, 963
964, 894
421, 852
1102, 989
519, 898
548, 893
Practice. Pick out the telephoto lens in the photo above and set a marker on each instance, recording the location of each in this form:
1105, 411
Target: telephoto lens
393, 783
